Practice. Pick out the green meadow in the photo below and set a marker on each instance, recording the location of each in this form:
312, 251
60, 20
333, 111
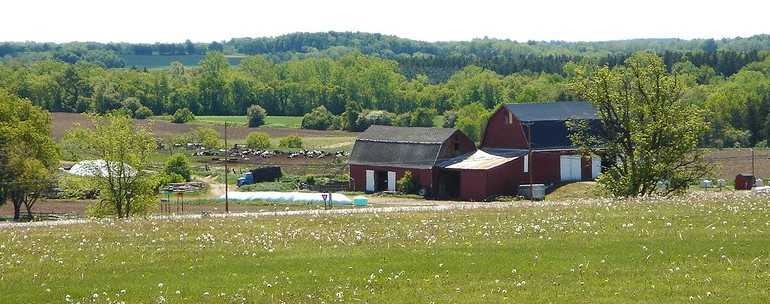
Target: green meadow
698, 249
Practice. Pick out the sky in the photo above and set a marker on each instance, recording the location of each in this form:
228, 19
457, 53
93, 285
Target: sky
217, 20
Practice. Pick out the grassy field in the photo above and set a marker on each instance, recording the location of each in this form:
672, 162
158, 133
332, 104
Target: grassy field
270, 121
574, 190
693, 250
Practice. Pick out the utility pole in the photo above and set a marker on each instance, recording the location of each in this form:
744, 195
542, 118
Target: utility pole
227, 159
529, 160
752, 164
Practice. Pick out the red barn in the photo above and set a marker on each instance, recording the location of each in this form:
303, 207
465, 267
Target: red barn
447, 164
444, 161
554, 158
382, 154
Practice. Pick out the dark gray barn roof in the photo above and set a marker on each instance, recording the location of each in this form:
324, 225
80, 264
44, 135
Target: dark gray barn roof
548, 121
399, 146
550, 111
407, 134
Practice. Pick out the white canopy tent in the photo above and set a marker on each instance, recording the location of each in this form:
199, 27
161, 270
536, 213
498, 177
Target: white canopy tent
99, 167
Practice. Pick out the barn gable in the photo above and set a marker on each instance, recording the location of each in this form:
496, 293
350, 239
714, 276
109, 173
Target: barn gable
510, 126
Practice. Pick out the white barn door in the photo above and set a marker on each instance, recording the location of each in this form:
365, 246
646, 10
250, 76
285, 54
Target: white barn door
369, 181
569, 166
391, 181
596, 166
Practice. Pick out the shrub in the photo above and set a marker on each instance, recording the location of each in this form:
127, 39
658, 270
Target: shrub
318, 119
472, 119
256, 116
374, 117
292, 142
132, 104
178, 164
142, 113
78, 187
403, 120
450, 118
350, 117
337, 123
122, 112
208, 137
169, 178
407, 183
422, 117
183, 115
258, 140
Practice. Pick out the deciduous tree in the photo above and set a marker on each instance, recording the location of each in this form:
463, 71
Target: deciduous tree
647, 132
28, 154
126, 187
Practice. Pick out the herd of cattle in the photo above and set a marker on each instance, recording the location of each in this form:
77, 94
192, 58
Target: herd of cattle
242, 152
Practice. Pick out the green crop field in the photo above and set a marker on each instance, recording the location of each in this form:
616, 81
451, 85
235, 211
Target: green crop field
698, 249
270, 121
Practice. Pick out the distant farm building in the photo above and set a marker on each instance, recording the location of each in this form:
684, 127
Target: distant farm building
447, 164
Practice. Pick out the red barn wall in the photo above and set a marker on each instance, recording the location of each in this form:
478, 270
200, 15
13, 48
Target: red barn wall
477, 185
547, 167
358, 174
473, 185
500, 134
504, 180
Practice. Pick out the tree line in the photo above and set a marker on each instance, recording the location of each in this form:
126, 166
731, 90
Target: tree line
437, 60
292, 88
326, 89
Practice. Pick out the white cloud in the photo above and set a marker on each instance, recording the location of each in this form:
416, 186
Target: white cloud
158, 20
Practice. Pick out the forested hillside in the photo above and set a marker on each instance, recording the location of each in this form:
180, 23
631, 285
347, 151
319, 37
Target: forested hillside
388, 76
437, 60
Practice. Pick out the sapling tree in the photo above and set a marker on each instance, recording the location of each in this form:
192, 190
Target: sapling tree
123, 149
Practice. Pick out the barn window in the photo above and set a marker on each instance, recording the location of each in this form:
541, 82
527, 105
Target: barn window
510, 118
526, 163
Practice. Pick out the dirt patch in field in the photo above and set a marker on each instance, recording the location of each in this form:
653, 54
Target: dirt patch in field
63, 122
76, 207
730, 162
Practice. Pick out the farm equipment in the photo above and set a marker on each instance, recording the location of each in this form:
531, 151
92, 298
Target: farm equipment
265, 174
